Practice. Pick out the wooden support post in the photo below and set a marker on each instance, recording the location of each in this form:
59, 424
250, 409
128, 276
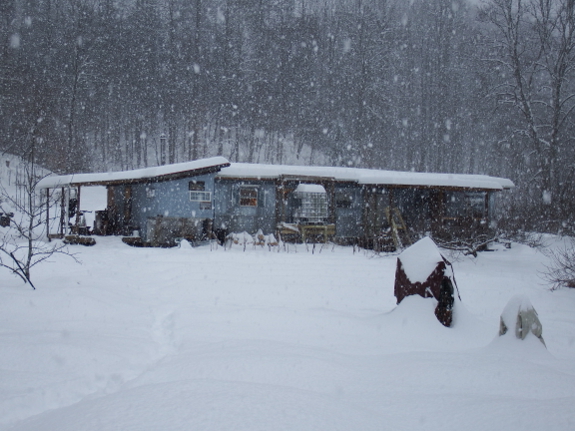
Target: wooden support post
62, 210
67, 213
77, 227
48, 214
330, 191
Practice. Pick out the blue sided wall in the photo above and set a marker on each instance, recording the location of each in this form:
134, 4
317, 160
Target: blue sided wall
170, 199
232, 216
348, 211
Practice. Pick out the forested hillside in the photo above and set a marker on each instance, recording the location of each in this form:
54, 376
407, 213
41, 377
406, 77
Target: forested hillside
441, 85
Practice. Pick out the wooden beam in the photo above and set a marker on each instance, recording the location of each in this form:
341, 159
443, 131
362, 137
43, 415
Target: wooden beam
78, 210
48, 214
62, 210
158, 179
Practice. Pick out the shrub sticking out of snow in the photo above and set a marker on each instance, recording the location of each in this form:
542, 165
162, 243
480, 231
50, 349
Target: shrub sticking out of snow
185, 244
245, 239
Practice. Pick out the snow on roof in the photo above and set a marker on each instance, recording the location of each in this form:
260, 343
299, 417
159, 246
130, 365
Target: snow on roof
134, 175
309, 188
367, 176
257, 171
420, 260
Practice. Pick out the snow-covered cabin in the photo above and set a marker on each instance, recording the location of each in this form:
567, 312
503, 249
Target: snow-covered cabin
350, 205
157, 204
362, 205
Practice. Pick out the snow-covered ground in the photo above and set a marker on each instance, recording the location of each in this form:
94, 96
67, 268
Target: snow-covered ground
289, 339
212, 339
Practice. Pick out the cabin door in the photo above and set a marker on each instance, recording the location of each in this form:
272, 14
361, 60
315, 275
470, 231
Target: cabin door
375, 219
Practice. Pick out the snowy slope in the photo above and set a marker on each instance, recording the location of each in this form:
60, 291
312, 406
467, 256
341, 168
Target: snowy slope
214, 339
13, 171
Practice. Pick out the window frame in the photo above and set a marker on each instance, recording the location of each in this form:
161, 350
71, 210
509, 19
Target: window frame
466, 204
200, 196
343, 199
197, 186
251, 201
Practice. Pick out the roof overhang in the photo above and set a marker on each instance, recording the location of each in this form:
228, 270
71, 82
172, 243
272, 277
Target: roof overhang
365, 177
283, 173
138, 176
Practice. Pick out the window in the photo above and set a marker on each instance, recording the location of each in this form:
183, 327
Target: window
197, 186
150, 192
466, 204
343, 199
201, 196
248, 197
198, 193
205, 205
476, 204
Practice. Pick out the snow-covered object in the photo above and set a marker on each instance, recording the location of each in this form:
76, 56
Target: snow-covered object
261, 239
257, 171
241, 238
134, 175
366, 176
288, 226
313, 204
420, 260
245, 239
520, 314
309, 188
185, 244
422, 270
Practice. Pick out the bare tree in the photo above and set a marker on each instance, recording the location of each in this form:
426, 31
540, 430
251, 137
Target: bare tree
22, 244
561, 270
534, 59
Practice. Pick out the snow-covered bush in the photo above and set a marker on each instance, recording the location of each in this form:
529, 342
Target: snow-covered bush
561, 271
